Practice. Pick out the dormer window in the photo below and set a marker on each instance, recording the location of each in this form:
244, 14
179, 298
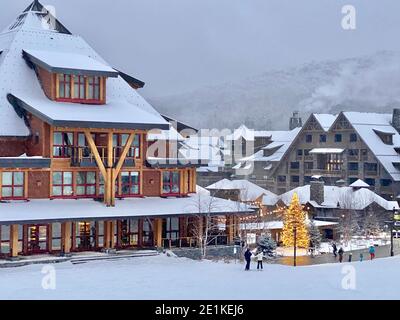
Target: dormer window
80, 89
70, 77
386, 137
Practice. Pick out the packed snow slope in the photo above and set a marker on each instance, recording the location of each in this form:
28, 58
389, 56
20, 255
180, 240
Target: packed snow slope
266, 101
165, 277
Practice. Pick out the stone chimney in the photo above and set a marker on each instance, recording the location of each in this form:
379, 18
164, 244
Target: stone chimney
317, 191
295, 121
396, 119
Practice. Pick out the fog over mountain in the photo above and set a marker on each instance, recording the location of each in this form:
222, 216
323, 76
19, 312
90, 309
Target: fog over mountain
265, 101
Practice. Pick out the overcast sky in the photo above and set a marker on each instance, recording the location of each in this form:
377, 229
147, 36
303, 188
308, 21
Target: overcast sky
180, 45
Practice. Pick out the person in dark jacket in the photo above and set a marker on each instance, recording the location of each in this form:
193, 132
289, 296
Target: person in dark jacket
334, 250
341, 252
247, 257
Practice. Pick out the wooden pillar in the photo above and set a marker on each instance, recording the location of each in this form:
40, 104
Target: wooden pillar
158, 224
106, 235
230, 229
110, 165
112, 233
66, 242
14, 240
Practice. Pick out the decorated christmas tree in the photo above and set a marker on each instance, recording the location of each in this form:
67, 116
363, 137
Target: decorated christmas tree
293, 217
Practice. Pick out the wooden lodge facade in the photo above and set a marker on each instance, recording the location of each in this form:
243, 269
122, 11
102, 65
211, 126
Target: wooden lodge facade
74, 174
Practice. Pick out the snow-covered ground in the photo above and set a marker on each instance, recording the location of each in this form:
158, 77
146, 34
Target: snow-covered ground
163, 277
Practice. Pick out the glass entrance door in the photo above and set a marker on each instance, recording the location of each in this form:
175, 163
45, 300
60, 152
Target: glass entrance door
37, 239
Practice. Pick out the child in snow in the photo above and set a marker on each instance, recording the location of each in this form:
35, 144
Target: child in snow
260, 257
372, 252
361, 257
350, 256
341, 252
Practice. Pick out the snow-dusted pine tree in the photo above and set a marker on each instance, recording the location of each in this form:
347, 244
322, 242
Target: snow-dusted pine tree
266, 243
315, 235
294, 217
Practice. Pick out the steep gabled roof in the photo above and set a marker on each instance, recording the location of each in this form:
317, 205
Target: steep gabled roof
325, 120
125, 108
248, 190
37, 17
366, 125
345, 197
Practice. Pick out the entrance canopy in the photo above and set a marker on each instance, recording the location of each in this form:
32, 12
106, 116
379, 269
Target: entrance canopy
46, 211
326, 151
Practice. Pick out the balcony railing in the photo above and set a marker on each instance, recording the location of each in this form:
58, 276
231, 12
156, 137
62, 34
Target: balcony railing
323, 172
84, 157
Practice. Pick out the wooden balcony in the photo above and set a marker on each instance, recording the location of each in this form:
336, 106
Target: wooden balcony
84, 158
328, 173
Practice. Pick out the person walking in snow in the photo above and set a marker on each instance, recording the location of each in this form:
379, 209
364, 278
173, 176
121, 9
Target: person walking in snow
350, 256
334, 249
260, 257
372, 252
247, 257
341, 252
361, 257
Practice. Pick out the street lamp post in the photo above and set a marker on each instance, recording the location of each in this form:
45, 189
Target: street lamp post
295, 245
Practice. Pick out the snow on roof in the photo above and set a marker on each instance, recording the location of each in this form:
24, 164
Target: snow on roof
326, 150
365, 125
124, 104
207, 149
248, 190
360, 184
347, 197
69, 62
165, 135
281, 141
276, 225
84, 209
325, 120
242, 132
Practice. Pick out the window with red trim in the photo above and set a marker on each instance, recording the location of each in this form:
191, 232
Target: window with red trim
79, 89
62, 144
62, 184
171, 182
130, 183
64, 85
86, 184
102, 185
94, 88
120, 141
12, 185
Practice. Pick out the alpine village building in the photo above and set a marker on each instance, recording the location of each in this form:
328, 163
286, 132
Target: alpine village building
338, 149
73, 144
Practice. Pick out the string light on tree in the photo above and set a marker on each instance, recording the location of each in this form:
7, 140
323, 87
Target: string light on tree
294, 217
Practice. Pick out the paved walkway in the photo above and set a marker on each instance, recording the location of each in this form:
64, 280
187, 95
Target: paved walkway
380, 252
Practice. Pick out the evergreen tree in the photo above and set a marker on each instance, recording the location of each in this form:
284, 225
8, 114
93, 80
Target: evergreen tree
266, 243
315, 235
294, 216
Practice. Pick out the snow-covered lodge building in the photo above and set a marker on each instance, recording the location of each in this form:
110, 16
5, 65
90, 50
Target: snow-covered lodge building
74, 174
340, 149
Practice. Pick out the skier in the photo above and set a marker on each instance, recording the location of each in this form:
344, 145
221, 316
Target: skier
372, 252
361, 257
334, 249
247, 257
260, 257
341, 251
